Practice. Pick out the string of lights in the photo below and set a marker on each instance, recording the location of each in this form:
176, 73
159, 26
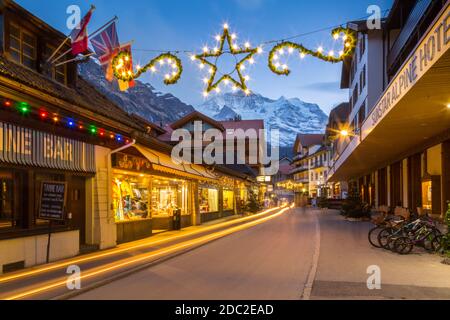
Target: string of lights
26, 110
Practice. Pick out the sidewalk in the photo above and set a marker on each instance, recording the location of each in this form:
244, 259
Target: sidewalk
346, 254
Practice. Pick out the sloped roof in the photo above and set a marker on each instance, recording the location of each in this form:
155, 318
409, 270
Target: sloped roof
82, 95
243, 124
194, 116
308, 140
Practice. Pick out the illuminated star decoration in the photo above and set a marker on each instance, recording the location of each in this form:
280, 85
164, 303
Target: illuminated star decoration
212, 82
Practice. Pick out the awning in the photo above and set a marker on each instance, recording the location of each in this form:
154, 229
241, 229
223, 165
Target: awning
163, 163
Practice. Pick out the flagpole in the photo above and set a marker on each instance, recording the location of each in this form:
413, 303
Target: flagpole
64, 42
91, 35
74, 59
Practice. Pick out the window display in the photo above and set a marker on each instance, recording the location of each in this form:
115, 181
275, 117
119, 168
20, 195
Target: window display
169, 195
228, 200
130, 198
209, 200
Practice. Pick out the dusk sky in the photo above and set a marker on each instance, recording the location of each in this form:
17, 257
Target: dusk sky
189, 25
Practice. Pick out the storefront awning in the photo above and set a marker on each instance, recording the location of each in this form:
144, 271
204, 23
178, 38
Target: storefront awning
164, 163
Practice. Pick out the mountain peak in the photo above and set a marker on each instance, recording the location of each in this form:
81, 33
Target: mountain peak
142, 99
289, 116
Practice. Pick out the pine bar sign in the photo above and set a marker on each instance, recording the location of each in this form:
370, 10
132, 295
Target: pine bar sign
53, 201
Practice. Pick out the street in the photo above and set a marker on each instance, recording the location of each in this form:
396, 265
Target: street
282, 259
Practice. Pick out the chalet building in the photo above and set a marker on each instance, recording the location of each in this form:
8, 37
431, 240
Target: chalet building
283, 183
338, 122
69, 154
311, 167
398, 153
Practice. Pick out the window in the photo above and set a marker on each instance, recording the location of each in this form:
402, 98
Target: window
228, 200
58, 73
22, 46
362, 46
362, 115
209, 200
6, 201
362, 80
355, 96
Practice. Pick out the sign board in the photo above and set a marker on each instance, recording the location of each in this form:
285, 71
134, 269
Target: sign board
264, 178
29, 147
432, 47
52, 200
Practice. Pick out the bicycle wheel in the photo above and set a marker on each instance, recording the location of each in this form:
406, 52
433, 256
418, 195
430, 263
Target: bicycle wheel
373, 236
435, 244
384, 236
403, 245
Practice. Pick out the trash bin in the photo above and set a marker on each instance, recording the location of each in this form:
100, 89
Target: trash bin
177, 219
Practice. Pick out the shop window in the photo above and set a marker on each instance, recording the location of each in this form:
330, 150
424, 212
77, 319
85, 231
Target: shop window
228, 200
427, 195
209, 200
131, 197
169, 195
22, 46
6, 201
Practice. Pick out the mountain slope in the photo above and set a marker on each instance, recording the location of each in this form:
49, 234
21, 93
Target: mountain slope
142, 100
289, 116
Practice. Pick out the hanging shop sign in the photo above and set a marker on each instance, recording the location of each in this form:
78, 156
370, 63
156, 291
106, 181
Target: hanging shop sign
131, 163
53, 201
431, 49
35, 148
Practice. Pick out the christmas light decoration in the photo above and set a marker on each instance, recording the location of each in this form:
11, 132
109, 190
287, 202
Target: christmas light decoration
348, 37
124, 71
42, 114
212, 82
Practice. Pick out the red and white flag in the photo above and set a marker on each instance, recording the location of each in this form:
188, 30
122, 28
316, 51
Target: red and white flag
80, 36
124, 85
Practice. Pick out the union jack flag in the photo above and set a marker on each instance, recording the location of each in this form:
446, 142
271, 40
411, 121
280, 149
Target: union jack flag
106, 44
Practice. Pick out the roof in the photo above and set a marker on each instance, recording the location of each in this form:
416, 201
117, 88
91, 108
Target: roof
340, 113
285, 169
194, 116
221, 125
243, 124
82, 95
308, 140
151, 125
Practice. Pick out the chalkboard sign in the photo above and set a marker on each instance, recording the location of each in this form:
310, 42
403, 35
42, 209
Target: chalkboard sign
53, 201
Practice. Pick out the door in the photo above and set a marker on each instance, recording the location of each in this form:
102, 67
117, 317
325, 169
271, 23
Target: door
76, 205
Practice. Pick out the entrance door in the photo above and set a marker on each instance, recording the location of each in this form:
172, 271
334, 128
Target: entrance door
76, 204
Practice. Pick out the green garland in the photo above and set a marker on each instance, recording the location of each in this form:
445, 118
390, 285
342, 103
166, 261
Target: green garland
349, 49
241, 84
119, 63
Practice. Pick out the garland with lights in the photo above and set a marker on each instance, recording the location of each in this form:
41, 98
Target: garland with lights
56, 119
123, 71
348, 37
217, 52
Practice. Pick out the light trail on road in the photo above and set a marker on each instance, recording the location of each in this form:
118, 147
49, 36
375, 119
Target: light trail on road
125, 248
147, 256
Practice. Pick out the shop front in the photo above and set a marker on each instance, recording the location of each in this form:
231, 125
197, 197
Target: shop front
152, 194
29, 158
209, 201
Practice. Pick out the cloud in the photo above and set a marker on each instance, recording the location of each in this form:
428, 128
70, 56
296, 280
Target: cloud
322, 86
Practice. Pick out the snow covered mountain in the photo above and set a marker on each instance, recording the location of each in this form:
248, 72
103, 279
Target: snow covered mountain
289, 116
142, 99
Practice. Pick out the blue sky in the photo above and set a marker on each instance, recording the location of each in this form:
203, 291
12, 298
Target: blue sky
191, 24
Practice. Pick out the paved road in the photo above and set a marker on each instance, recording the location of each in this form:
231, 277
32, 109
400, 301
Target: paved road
277, 259
269, 261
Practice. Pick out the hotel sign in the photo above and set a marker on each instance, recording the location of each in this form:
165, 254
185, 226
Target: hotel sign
29, 147
431, 48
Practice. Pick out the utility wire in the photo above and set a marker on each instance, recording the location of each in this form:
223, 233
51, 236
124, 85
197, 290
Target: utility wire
301, 35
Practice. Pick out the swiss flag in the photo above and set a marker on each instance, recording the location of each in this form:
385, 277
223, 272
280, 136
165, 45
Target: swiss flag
79, 35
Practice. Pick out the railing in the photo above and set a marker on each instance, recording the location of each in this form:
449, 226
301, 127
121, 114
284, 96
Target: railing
407, 31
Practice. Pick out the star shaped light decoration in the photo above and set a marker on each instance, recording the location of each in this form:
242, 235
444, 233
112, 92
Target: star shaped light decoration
212, 83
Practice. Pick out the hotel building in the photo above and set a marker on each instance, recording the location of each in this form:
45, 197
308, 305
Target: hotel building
398, 149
